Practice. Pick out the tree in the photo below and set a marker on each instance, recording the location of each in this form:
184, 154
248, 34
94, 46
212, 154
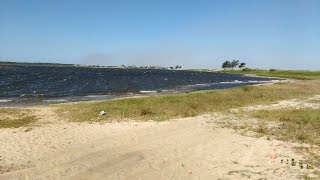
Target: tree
242, 65
234, 63
226, 65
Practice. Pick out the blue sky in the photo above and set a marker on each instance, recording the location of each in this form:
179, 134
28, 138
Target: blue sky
192, 33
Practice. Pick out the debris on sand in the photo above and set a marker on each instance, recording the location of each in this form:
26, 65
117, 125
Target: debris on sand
102, 113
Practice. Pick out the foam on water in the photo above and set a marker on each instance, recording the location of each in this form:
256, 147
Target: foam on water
4, 100
148, 92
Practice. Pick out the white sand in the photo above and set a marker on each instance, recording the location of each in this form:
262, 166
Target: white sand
189, 148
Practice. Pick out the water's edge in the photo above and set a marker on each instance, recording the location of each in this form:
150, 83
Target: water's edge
33, 85
29, 102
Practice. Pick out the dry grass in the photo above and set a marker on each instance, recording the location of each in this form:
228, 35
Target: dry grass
14, 118
300, 125
296, 125
164, 107
317, 101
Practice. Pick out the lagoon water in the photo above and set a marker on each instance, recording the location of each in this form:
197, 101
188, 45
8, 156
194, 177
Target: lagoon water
32, 84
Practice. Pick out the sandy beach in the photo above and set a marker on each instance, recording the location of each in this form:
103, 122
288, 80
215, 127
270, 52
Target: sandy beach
160, 90
200, 147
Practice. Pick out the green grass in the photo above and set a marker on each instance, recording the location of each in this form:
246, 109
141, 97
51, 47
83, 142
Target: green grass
293, 74
300, 125
165, 107
14, 118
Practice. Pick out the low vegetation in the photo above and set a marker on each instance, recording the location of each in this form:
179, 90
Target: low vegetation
300, 125
293, 74
295, 125
14, 118
164, 107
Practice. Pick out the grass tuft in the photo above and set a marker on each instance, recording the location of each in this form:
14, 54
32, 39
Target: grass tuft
247, 88
14, 118
146, 112
301, 125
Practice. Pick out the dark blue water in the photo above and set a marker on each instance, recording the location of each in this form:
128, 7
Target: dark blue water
57, 84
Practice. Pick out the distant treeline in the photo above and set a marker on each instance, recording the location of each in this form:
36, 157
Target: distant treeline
7, 63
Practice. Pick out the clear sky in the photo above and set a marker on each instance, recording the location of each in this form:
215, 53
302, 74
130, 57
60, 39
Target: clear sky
192, 33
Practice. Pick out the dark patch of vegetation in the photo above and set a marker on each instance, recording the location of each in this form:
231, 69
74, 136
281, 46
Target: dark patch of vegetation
146, 112
14, 118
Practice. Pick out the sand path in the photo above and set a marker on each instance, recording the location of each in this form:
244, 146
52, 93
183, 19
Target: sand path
189, 148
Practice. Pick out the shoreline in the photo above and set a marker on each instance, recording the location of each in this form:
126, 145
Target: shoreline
12, 103
132, 149
144, 137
